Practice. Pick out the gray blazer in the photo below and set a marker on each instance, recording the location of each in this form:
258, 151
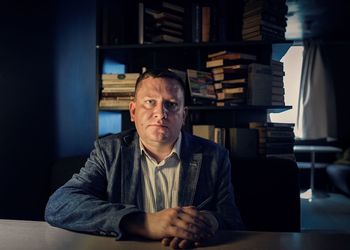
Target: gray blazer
108, 186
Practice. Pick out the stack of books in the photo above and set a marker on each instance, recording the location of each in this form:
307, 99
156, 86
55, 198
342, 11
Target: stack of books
277, 83
259, 84
230, 75
117, 90
275, 139
201, 87
264, 20
210, 132
161, 23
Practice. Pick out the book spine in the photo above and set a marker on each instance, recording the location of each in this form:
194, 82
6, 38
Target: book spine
196, 23
205, 24
141, 23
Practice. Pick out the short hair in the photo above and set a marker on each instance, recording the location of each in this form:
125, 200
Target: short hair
160, 73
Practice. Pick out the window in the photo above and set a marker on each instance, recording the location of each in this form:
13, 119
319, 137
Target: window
109, 122
292, 61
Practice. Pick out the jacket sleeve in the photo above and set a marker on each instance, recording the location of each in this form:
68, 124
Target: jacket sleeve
82, 205
226, 211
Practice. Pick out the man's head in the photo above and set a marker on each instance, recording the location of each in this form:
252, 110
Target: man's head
158, 109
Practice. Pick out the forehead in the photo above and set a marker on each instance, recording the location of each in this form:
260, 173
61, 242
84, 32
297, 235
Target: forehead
158, 85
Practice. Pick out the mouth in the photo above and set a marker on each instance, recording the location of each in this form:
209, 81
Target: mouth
158, 125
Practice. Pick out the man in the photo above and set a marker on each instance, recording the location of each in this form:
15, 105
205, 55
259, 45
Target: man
149, 182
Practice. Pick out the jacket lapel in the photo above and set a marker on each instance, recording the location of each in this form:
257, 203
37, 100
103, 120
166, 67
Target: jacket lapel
130, 160
189, 173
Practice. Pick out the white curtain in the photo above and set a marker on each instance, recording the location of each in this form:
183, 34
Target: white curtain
316, 118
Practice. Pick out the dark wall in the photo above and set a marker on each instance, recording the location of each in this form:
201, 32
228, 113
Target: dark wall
75, 76
26, 107
47, 96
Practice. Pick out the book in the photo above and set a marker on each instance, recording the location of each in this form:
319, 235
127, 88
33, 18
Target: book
239, 74
221, 85
234, 81
130, 82
222, 96
158, 15
226, 62
232, 56
117, 94
279, 134
105, 103
126, 76
196, 28
162, 30
259, 84
205, 24
161, 22
277, 98
118, 85
118, 90
201, 84
204, 131
230, 69
278, 91
257, 30
167, 38
262, 23
222, 52
277, 84
264, 17
233, 90
174, 7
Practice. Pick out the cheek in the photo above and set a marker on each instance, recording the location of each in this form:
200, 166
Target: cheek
142, 116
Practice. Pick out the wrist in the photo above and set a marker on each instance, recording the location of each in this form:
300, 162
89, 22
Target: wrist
134, 223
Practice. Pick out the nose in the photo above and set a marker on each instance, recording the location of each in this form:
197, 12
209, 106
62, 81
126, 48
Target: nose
160, 111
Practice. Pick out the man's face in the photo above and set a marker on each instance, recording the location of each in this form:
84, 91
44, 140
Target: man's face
158, 111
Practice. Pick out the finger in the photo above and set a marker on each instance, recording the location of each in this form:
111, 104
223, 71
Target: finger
202, 231
195, 214
198, 244
175, 242
179, 232
193, 225
166, 241
186, 244
191, 229
191, 215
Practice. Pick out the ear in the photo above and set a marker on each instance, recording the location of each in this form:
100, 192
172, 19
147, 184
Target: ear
132, 107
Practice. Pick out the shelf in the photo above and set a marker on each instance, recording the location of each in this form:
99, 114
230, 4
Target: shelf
269, 109
113, 109
279, 48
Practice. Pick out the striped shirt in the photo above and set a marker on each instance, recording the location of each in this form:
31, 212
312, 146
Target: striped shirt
160, 181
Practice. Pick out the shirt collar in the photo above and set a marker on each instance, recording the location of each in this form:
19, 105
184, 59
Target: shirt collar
175, 150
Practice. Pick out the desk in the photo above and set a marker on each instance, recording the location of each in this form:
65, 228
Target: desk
30, 235
309, 194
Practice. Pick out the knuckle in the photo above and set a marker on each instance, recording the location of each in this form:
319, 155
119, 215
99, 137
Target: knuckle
173, 211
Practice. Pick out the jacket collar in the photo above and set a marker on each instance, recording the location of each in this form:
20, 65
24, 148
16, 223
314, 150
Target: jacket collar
130, 169
191, 161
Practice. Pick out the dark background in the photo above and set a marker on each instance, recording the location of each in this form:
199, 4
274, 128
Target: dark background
48, 96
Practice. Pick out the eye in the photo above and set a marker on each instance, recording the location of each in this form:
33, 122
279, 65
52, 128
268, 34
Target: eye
171, 105
150, 102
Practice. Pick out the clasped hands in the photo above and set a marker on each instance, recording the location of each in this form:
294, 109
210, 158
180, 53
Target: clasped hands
180, 227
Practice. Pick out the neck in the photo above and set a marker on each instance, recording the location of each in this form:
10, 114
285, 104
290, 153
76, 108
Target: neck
158, 151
